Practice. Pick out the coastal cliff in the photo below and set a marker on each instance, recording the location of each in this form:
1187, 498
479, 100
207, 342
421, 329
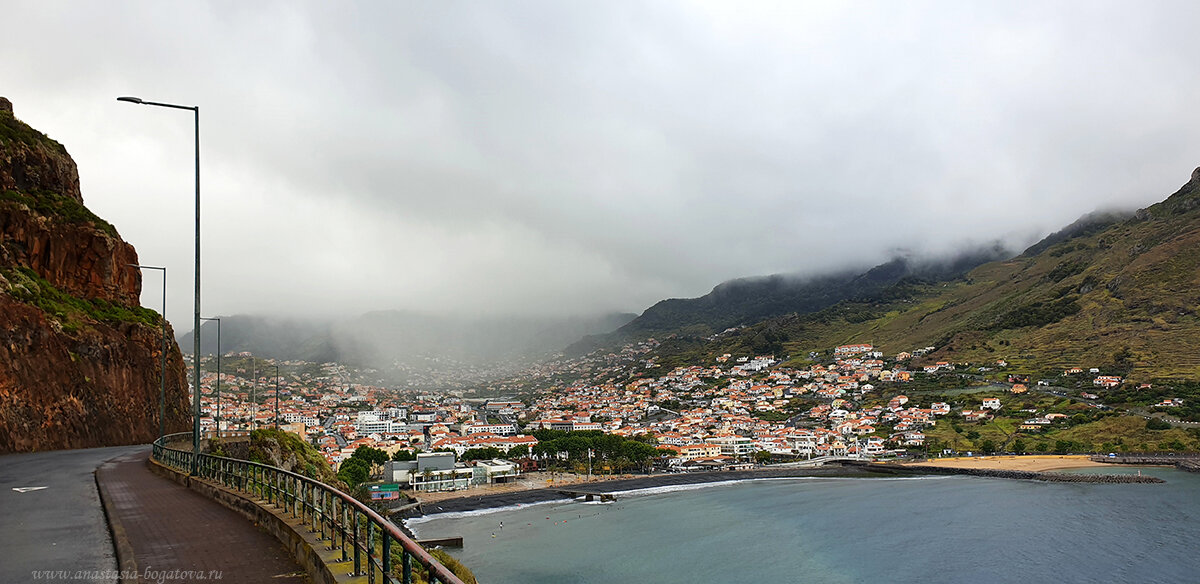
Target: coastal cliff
79, 357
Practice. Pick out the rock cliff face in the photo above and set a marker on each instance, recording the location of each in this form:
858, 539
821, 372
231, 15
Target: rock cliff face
40, 164
79, 358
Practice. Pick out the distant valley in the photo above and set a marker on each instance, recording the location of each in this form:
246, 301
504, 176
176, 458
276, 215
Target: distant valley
404, 340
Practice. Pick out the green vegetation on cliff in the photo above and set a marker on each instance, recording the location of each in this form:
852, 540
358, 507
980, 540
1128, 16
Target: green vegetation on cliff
289, 452
59, 207
72, 312
13, 131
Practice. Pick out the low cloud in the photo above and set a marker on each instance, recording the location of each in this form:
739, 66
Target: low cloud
530, 157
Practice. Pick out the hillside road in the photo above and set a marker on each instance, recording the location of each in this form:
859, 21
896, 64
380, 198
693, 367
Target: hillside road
51, 518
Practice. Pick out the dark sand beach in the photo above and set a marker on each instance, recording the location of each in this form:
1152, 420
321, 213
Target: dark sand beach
539, 495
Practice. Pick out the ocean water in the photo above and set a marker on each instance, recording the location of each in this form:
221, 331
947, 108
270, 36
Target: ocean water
820, 530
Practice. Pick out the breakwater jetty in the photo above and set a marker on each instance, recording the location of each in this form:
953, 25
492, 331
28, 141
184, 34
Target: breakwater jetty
1187, 462
1053, 477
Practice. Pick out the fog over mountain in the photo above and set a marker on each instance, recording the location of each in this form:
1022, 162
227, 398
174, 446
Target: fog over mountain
554, 159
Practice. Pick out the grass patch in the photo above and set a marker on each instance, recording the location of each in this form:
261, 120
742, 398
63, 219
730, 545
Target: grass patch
1128, 434
60, 207
284, 449
13, 130
73, 312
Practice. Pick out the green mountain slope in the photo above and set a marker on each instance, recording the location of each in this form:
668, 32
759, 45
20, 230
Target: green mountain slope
1120, 294
747, 301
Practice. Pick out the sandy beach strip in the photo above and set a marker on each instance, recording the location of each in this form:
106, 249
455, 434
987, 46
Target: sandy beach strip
1032, 463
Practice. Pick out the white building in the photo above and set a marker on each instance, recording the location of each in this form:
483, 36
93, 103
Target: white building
733, 445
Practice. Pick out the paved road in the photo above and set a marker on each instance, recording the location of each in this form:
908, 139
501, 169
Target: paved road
61, 527
172, 529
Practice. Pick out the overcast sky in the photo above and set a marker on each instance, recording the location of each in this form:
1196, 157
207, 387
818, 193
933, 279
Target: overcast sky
574, 157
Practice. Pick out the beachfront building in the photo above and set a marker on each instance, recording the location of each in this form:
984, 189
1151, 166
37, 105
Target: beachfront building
437, 471
689, 452
488, 472
735, 446
874, 446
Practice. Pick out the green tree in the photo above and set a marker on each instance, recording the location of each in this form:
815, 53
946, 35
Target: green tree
1173, 445
639, 453
405, 455
520, 451
762, 457
354, 471
370, 455
1018, 446
988, 446
1157, 424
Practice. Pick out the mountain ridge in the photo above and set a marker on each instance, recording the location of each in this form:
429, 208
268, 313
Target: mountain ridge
746, 301
1115, 292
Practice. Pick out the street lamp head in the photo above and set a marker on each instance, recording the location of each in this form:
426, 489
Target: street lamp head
130, 99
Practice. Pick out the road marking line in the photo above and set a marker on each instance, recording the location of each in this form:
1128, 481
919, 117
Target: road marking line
27, 489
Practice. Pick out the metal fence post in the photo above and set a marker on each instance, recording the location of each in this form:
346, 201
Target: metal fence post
387, 556
370, 552
316, 508
357, 564
343, 530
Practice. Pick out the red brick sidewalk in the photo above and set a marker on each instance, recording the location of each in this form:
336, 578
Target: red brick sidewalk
170, 527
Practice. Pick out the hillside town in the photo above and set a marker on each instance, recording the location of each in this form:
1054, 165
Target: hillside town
731, 412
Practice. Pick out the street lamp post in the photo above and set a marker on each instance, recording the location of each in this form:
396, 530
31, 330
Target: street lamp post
162, 376
196, 321
218, 398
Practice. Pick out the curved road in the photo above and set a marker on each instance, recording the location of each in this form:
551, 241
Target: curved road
60, 527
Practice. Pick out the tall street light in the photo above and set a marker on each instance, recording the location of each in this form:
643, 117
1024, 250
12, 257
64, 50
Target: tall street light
196, 322
162, 376
218, 419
